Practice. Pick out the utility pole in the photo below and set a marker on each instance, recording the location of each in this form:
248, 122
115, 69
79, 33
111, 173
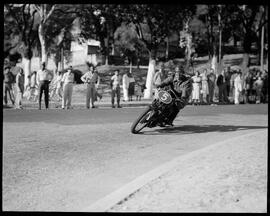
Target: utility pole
220, 34
262, 43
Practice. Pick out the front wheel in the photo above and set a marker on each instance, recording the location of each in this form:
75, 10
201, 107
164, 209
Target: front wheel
142, 121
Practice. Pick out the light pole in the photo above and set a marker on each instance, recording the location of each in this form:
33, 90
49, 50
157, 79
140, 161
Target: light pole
220, 33
262, 42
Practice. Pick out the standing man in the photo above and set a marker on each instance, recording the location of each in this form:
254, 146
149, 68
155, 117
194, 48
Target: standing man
211, 85
125, 86
19, 88
68, 80
8, 81
159, 77
228, 75
222, 88
90, 78
115, 85
98, 94
43, 80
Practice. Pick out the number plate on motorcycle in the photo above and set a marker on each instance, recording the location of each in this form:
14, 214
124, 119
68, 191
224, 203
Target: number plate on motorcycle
164, 97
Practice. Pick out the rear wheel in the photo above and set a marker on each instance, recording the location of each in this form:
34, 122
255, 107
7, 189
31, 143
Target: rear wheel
142, 121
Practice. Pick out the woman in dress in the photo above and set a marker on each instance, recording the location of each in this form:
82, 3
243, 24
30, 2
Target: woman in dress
238, 87
196, 88
205, 89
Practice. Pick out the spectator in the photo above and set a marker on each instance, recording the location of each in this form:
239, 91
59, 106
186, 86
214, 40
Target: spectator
131, 87
222, 88
125, 86
138, 91
27, 89
8, 81
68, 80
58, 86
248, 86
265, 87
258, 85
115, 85
90, 78
205, 88
19, 88
228, 75
159, 77
43, 79
98, 91
234, 74
33, 87
196, 88
211, 85
238, 87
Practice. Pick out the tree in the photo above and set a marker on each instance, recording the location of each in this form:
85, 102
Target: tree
247, 22
128, 43
59, 34
20, 30
99, 21
153, 24
44, 11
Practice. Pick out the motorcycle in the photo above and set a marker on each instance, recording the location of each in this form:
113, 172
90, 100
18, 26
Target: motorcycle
158, 111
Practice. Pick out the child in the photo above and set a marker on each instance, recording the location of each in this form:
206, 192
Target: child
138, 91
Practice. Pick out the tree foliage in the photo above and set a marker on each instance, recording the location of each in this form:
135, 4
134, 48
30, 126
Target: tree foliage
20, 29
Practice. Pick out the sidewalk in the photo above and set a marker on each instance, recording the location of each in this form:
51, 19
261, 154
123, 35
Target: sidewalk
105, 102
230, 176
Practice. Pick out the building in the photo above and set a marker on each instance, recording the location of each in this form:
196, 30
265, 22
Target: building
85, 50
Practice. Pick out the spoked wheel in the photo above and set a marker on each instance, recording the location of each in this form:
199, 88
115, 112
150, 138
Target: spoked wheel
142, 121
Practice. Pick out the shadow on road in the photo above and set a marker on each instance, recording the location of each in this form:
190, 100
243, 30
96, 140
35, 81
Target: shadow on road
189, 129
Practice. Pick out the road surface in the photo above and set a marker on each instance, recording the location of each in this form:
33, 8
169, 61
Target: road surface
65, 160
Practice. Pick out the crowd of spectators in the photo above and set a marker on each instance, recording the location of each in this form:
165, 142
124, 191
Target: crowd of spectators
230, 86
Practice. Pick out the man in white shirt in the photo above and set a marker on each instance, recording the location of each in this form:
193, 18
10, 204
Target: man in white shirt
90, 78
68, 80
115, 85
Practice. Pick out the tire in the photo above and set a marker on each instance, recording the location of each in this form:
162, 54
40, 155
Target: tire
142, 117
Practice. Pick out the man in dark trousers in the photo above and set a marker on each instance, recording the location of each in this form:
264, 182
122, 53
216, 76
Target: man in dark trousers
228, 75
43, 79
115, 85
9, 79
222, 88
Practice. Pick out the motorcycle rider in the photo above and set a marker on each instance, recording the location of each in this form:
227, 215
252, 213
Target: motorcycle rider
180, 83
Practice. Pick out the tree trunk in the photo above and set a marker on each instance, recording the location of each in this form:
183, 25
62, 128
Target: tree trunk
150, 76
220, 44
113, 49
106, 51
130, 67
41, 36
214, 64
245, 63
62, 58
167, 48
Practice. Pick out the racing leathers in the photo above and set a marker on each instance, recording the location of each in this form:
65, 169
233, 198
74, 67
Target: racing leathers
182, 86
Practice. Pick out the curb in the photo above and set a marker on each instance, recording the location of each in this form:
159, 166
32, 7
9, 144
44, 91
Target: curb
106, 203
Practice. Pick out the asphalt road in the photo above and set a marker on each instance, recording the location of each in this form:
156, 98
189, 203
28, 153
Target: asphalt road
65, 160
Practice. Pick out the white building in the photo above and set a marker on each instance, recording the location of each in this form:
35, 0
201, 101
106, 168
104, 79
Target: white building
83, 51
